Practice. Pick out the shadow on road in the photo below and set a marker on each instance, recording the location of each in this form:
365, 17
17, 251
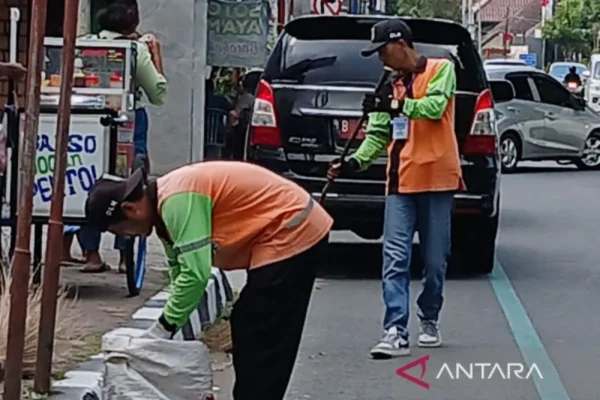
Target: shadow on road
363, 261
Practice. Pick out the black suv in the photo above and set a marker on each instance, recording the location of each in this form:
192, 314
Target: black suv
309, 101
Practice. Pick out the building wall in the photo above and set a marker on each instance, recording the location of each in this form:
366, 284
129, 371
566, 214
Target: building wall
535, 45
494, 43
175, 136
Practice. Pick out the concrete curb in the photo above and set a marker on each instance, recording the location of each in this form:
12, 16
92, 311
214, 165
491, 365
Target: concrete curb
85, 382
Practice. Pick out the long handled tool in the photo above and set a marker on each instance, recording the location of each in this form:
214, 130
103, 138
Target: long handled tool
386, 73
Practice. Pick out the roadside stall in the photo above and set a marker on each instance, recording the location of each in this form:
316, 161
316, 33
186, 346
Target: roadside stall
100, 139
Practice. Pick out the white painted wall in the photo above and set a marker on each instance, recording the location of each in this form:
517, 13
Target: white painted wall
176, 133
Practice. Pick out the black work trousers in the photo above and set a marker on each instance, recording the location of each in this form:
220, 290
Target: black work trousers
267, 323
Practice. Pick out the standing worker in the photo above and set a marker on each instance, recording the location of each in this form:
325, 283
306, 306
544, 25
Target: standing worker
239, 216
415, 120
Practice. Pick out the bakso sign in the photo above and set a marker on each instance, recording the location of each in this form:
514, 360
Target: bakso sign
237, 33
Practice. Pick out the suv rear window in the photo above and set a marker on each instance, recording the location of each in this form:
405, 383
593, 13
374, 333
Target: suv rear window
326, 51
347, 65
339, 62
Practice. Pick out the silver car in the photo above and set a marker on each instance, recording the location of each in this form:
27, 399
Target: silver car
544, 121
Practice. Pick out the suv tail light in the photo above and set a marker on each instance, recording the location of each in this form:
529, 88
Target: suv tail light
264, 130
483, 138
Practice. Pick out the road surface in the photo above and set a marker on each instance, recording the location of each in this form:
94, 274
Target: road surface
540, 307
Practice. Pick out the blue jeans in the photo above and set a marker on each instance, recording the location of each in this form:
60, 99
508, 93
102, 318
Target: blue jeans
430, 215
89, 238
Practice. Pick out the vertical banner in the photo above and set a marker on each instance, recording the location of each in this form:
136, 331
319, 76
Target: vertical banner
237, 33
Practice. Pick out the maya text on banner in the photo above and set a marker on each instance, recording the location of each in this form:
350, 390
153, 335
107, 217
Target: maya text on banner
237, 33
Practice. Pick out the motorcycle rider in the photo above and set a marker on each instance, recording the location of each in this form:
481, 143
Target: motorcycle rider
572, 76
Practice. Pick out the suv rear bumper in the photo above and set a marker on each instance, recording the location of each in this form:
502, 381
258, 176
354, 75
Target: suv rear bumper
356, 210
365, 211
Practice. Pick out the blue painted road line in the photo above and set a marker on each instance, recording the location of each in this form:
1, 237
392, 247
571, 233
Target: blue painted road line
527, 338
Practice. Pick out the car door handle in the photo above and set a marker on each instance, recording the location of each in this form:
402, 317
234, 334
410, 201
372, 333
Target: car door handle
512, 109
550, 115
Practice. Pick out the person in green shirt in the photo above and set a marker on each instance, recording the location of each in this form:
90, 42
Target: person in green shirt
119, 21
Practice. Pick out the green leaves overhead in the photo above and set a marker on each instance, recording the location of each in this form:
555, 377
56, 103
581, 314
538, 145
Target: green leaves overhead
575, 25
446, 9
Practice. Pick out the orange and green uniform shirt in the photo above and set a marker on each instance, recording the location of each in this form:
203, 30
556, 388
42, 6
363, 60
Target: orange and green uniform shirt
232, 215
428, 160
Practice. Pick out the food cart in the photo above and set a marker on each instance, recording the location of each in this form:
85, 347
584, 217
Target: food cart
100, 138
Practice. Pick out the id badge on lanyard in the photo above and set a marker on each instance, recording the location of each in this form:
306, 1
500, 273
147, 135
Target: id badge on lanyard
401, 124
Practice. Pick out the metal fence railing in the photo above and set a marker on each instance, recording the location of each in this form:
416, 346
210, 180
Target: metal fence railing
215, 123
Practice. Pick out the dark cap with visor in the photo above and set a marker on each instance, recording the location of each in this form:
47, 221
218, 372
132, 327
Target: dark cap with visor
387, 31
103, 205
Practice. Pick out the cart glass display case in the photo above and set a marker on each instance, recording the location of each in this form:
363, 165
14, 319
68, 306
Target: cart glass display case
102, 121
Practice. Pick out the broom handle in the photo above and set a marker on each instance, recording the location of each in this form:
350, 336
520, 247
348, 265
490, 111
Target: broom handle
382, 80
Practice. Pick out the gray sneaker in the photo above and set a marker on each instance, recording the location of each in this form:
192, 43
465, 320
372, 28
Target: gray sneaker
429, 335
392, 344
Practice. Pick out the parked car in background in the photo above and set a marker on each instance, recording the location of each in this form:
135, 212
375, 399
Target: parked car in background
544, 121
504, 61
309, 102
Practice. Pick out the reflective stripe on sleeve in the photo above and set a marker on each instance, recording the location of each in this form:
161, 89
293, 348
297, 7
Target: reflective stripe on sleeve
192, 246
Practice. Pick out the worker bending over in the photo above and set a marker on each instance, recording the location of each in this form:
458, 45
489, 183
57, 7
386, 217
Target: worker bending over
234, 215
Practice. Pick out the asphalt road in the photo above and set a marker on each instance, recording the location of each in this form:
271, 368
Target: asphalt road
540, 306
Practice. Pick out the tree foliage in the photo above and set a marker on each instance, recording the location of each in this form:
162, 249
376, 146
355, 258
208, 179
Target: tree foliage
575, 26
446, 9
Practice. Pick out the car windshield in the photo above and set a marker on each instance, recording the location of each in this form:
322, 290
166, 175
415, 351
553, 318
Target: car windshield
560, 71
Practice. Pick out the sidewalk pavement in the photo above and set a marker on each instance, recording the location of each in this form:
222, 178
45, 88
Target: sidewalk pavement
85, 382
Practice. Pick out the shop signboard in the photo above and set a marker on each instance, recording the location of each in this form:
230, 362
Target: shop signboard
87, 159
237, 33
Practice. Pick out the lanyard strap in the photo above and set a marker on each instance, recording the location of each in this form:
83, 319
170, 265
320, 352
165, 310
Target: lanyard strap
409, 87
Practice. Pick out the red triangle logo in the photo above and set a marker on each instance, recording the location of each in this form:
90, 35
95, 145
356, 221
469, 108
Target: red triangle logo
422, 362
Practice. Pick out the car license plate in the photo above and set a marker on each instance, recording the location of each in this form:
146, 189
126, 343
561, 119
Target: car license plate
346, 128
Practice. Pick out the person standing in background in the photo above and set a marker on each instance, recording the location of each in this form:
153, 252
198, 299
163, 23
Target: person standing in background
240, 116
118, 21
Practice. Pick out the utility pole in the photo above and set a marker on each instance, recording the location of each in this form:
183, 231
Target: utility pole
505, 36
479, 33
471, 19
543, 56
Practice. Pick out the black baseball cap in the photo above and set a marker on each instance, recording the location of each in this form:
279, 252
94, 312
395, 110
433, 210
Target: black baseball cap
384, 32
103, 205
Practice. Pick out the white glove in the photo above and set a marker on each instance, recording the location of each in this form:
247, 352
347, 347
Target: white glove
156, 331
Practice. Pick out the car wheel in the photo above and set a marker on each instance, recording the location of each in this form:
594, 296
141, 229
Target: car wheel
510, 152
474, 244
591, 153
